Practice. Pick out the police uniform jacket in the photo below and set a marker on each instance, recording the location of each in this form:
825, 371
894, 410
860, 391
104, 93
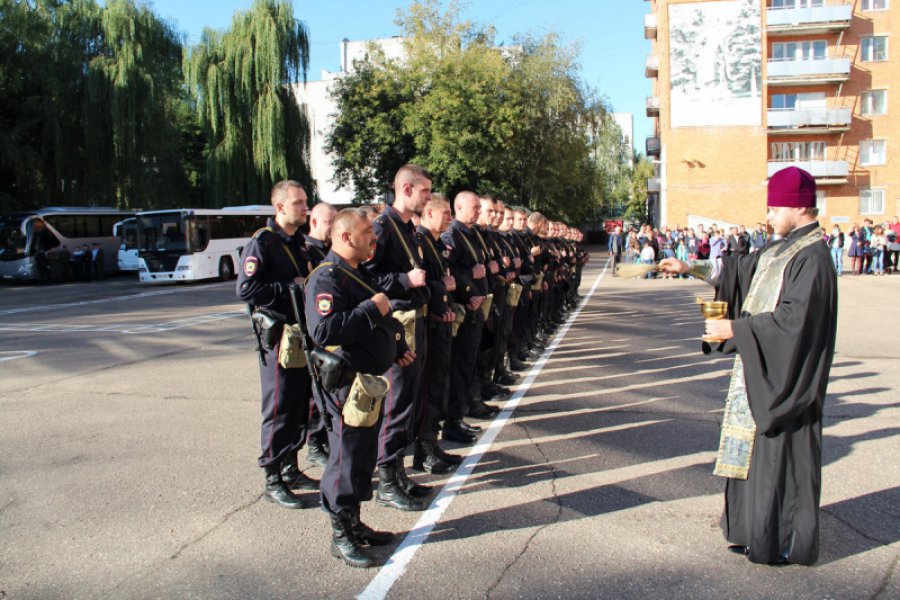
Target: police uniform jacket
435, 264
522, 245
340, 312
465, 253
396, 255
482, 235
316, 250
267, 270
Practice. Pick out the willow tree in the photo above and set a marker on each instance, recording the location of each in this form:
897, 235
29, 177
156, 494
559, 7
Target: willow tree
133, 87
242, 79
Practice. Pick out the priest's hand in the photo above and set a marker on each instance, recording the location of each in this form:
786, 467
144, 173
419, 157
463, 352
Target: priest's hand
719, 329
673, 266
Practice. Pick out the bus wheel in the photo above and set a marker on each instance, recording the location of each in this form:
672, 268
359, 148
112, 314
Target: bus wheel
226, 269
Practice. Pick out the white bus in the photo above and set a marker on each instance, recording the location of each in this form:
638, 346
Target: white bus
126, 232
49, 244
188, 244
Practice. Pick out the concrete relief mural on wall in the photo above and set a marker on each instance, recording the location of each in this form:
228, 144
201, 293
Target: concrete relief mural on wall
715, 58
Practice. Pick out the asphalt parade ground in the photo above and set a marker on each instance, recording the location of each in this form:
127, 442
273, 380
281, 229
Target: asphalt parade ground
129, 425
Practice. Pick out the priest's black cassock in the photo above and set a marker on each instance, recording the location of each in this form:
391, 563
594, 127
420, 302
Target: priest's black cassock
787, 355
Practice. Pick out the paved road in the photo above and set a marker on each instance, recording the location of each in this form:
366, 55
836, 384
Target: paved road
128, 436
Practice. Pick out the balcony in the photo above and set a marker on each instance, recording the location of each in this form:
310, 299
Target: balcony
826, 172
809, 20
652, 106
653, 146
653, 184
808, 121
652, 67
807, 72
650, 27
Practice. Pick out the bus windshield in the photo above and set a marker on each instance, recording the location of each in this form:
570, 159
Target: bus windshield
163, 232
12, 238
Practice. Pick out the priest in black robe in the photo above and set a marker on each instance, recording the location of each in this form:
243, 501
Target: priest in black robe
782, 324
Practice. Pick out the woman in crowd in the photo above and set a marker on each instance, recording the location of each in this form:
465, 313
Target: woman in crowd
857, 240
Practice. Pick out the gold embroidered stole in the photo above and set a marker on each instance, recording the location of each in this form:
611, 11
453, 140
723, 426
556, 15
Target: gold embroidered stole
738, 426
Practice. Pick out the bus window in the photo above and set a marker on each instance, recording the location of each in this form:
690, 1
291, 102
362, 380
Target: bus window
198, 232
12, 240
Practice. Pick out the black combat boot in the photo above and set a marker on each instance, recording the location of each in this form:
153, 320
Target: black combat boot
294, 478
317, 452
516, 364
278, 492
454, 432
391, 494
410, 487
345, 544
450, 459
426, 459
365, 535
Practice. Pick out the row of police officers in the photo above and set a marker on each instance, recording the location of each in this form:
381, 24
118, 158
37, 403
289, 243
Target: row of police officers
417, 319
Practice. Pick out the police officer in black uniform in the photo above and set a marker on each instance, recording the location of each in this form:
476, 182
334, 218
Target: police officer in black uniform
274, 259
428, 455
467, 265
318, 244
344, 308
397, 267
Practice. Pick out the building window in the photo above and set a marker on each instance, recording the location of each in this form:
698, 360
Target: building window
874, 4
820, 201
797, 151
873, 102
872, 152
809, 50
874, 49
784, 101
871, 202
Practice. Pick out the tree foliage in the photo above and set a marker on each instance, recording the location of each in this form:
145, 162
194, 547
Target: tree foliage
241, 79
89, 103
514, 121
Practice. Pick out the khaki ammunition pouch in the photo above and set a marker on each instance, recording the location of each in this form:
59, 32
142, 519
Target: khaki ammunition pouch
363, 404
486, 306
514, 294
460, 311
407, 318
538, 282
290, 351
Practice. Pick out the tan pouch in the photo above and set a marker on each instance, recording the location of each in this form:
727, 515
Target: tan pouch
363, 404
460, 311
513, 294
407, 318
486, 306
538, 282
290, 350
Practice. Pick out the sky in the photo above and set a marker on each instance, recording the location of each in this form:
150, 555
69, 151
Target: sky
609, 32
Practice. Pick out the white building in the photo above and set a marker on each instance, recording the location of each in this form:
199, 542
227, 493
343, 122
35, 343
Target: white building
315, 98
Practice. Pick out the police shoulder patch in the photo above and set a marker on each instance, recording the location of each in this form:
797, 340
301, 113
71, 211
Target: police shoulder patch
251, 263
324, 303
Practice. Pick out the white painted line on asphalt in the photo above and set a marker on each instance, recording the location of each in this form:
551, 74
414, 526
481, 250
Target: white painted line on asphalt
165, 292
396, 565
16, 354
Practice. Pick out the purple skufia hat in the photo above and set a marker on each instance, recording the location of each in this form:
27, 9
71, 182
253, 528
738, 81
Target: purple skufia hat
792, 187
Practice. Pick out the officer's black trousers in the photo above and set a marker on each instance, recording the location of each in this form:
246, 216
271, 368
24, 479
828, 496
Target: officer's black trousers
519, 335
462, 363
286, 396
436, 385
347, 480
397, 416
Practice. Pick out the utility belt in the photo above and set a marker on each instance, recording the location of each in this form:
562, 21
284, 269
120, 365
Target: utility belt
408, 318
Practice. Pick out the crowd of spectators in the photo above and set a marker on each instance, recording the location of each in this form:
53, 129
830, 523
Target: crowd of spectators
872, 249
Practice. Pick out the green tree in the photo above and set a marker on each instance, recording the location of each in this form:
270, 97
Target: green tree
242, 80
637, 203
